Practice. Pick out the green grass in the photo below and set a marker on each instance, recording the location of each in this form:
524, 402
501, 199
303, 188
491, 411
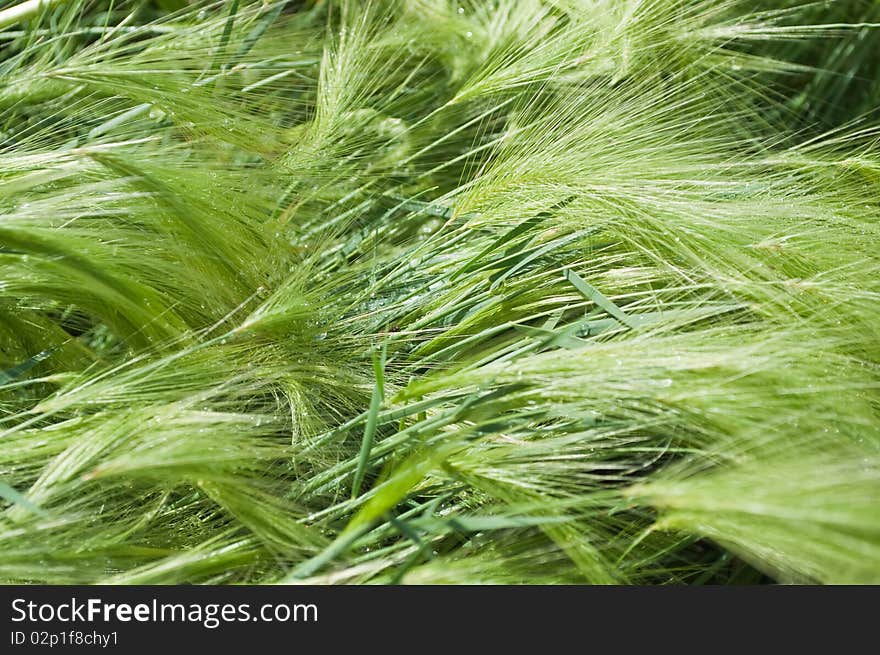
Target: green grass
512, 291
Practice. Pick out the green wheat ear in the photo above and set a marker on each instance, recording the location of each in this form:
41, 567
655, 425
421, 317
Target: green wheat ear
484, 291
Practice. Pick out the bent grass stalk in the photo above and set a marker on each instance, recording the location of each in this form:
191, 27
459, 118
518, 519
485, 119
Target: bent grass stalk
24, 11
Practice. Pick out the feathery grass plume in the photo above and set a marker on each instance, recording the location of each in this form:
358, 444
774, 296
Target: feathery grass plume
485, 291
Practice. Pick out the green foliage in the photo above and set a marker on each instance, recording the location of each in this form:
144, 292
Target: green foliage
484, 291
